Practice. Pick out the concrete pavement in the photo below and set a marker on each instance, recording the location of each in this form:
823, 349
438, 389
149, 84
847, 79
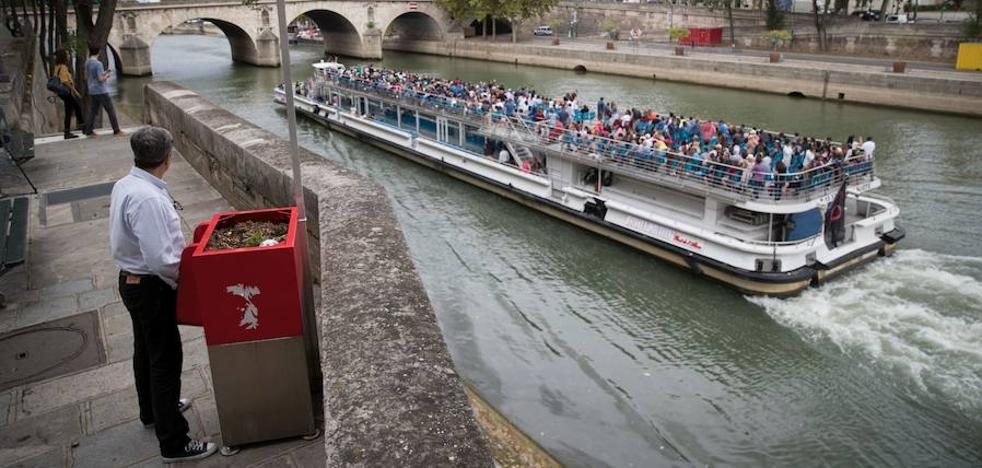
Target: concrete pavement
89, 417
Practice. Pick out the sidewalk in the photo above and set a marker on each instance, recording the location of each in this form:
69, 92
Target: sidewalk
791, 59
87, 415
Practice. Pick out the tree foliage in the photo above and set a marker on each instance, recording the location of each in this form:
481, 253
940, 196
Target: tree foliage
514, 10
727, 6
775, 17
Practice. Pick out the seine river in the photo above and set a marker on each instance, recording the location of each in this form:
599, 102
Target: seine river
607, 357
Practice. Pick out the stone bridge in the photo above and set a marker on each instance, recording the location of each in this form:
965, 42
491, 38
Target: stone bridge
349, 27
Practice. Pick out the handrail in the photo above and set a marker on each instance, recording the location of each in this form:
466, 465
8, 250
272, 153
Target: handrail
659, 166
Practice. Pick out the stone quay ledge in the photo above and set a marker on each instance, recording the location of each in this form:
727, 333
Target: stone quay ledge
391, 396
951, 91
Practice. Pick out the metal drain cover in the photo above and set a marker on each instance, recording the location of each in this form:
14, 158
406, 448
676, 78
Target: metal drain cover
50, 349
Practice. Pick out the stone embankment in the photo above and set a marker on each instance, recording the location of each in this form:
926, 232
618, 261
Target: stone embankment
391, 395
940, 91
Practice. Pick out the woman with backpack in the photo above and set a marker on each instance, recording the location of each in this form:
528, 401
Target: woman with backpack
69, 95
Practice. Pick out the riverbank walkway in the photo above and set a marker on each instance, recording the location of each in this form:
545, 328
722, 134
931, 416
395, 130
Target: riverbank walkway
71, 401
790, 59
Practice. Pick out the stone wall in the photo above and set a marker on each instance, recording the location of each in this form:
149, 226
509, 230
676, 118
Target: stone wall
848, 35
391, 395
24, 95
951, 94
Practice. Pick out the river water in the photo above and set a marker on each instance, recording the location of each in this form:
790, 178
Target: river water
608, 357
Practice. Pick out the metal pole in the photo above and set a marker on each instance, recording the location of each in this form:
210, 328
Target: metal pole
307, 294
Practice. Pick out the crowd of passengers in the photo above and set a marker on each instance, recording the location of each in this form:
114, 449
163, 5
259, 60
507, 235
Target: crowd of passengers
716, 151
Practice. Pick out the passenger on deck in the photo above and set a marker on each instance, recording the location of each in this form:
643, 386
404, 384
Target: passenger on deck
719, 153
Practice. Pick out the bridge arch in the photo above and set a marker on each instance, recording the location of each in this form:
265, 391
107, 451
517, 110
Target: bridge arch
341, 35
248, 32
413, 26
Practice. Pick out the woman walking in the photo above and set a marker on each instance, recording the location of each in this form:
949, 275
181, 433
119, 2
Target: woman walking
72, 105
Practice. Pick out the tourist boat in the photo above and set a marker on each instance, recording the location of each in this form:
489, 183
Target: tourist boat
767, 239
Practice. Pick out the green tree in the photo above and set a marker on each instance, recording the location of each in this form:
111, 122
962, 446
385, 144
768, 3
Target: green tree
518, 11
821, 14
91, 32
726, 5
775, 17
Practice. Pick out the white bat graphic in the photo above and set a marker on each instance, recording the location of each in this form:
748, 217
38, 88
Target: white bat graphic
250, 313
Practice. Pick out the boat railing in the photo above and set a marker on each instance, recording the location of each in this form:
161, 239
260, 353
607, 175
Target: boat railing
694, 172
691, 172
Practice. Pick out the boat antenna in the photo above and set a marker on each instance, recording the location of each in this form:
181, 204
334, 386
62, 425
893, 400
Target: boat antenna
307, 296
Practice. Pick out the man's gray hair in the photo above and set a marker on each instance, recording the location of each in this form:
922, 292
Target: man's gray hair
151, 146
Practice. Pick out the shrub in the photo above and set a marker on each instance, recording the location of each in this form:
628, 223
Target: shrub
777, 37
678, 32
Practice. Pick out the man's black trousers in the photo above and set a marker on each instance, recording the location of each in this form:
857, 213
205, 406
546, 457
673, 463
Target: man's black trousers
157, 357
98, 101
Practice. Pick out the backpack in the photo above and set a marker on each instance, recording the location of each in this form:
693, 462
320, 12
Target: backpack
56, 86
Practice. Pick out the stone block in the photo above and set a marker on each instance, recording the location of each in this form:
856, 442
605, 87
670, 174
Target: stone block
52, 458
119, 324
97, 299
120, 445
112, 409
195, 353
46, 310
311, 454
116, 308
34, 438
6, 402
67, 288
189, 333
73, 389
119, 347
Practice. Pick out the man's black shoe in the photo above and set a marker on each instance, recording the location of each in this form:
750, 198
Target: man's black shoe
194, 450
183, 405
69, 136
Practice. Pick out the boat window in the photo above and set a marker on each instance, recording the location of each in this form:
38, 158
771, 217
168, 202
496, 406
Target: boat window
374, 110
800, 226
346, 102
427, 126
453, 133
473, 141
409, 120
389, 114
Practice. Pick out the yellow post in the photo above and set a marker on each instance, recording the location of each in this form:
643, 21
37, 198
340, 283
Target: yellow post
969, 56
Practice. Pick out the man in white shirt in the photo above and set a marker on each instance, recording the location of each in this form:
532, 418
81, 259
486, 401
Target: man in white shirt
869, 147
146, 242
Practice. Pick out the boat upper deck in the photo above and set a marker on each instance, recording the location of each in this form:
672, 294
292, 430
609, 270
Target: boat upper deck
684, 154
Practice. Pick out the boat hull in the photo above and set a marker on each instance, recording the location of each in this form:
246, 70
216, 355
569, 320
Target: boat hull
748, 282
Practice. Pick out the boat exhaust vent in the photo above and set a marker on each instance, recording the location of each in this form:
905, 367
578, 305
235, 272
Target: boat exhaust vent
768, 265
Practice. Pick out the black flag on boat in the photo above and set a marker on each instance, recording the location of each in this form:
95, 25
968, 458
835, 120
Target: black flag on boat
835, 219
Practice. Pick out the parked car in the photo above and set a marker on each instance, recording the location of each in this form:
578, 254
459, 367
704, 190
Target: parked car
871, 15
542, 31
899, 19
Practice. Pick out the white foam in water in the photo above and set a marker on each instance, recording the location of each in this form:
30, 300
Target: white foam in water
918, 312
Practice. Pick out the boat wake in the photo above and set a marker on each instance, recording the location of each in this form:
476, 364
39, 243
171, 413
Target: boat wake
917, 313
